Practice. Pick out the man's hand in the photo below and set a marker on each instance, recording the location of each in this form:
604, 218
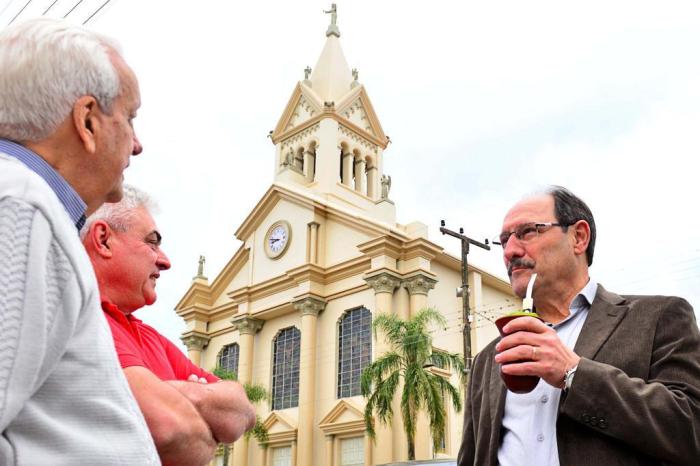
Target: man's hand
223, 405
544, 354
180, 433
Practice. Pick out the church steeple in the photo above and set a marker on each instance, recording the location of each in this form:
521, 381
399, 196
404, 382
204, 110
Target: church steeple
329, 141
331, 78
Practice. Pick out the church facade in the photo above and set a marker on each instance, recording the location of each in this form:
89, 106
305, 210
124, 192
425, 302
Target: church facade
321, 254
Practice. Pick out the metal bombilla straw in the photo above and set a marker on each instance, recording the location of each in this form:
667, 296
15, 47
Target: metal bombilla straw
528, 302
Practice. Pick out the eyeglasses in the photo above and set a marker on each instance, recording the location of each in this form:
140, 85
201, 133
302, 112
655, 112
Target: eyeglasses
527, 232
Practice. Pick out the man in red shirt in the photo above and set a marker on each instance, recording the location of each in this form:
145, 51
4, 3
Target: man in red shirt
187, 409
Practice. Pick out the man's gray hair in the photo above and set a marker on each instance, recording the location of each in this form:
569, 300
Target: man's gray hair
45, 66
118, 215
569, 209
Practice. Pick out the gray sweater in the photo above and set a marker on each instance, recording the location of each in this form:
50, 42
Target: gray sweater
63, 396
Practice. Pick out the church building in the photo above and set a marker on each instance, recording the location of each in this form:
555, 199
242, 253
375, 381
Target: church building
321, 255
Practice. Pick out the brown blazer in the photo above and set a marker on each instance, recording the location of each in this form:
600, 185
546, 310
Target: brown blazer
635, 399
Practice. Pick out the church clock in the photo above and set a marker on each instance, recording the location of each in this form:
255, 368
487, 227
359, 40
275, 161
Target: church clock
277, 239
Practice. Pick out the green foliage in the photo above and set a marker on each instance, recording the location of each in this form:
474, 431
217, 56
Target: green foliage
409, 358
255, 393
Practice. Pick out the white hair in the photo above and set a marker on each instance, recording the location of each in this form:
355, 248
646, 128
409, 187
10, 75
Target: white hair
118, 215
45, 66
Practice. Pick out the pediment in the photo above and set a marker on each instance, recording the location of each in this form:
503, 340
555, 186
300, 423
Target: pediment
343, 417
357, 108
277, 423
302, 106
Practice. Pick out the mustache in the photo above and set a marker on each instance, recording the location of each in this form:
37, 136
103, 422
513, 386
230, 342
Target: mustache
520, 263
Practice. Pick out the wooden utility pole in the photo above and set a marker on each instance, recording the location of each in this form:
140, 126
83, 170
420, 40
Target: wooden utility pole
464, 291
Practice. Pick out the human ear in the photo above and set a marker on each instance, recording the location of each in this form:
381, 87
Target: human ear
582, 236
100, 239
85, 112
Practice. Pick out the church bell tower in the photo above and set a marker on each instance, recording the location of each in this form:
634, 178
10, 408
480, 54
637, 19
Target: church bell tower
329, 142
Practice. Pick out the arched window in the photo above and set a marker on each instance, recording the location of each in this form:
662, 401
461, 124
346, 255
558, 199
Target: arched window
228, 358
285, 369
354, 350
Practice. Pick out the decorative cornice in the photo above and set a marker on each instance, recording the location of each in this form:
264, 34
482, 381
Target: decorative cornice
383, 282
308, 272
420, 247
419, 283
383, 245
309, 305
247, 325
194, 340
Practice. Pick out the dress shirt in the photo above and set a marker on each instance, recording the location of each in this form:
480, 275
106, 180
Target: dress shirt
529, 419
73, 204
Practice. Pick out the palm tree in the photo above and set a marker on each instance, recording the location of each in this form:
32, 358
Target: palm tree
410, 357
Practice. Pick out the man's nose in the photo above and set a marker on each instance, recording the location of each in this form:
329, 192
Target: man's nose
512, 248
138, 148
162, 262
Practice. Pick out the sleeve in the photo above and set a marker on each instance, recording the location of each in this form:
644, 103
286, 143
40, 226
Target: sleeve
38, 316
126, 348
467, 448
181, 365
659, 416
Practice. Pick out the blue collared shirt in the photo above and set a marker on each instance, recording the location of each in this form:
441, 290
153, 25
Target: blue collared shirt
73, 204
530, 419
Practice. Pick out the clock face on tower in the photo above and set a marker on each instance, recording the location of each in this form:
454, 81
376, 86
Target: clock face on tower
277, 239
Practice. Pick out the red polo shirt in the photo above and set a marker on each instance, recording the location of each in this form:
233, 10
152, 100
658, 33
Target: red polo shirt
138, 344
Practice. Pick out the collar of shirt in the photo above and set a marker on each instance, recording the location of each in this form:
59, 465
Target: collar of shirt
73, 204
581, 302
127, 321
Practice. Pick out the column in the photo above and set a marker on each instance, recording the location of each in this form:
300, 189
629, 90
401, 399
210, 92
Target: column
368, 451
263, 454
247, 328
329, 450
360, 175
309, 165
347, 168
309, 307
299, 160
313, 243
418, 286
294, 453
384, 285
195, 342
372, 183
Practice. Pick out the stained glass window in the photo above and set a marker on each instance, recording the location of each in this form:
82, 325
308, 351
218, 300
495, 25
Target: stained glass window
228, 358
285, 369
354, 350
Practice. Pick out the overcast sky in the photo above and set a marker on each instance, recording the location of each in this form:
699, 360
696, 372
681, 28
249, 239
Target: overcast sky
483, 101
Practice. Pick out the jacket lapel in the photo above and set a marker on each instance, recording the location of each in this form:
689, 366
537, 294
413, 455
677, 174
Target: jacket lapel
607, 310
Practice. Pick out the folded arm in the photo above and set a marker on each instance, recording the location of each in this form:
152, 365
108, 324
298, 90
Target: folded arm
181, 435
223, 405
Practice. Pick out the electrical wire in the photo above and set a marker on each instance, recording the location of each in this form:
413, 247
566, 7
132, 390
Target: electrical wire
95, 12
71, 10
20, 12
50, 6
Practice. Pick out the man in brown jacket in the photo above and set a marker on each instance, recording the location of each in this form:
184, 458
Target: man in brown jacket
620, 375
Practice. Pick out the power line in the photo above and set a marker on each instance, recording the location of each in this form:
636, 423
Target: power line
20, 12
95, 12
71, 10
50, 6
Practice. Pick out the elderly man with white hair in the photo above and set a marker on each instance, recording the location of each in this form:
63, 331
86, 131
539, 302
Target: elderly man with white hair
187, 409
67, 101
